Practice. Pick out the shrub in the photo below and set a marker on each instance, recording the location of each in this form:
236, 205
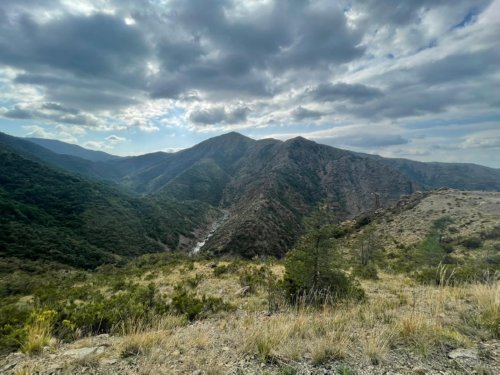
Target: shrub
188, 304
221, 270
429, 251
368, 272
253, 277
12, 322
472, 242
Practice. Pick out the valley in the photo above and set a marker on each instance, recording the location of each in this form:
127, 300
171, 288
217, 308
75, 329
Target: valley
198, 262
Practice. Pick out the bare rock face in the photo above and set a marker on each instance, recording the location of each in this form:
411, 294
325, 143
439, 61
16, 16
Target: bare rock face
463, 353
81, 353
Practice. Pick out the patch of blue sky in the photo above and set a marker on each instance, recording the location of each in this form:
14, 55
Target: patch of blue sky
8, 103
468, 19
12, 127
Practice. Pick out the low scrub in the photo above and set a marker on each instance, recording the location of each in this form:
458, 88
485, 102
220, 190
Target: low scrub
193, 307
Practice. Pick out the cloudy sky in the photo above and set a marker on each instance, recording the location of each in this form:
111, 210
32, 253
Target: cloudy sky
418, 79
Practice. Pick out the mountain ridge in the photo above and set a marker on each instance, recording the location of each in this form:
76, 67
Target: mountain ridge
266, 186
65, 148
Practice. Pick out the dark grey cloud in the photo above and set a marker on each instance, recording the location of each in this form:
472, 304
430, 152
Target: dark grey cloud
302, 113
433, 87
406, 102
250, 50
459, 67
357, 93
98, 46
208, 116
80, 93
217, 115
51, 112
90, 62
59, 108
18, 113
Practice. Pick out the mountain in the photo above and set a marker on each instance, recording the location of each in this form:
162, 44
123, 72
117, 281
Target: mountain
265, 187
278, 183
434, 175
112, 170
70, 149
68, 163
52, 215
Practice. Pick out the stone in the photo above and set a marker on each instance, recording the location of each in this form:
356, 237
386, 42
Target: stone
463, 353
109, 362
83, 352
8, 367
419, 370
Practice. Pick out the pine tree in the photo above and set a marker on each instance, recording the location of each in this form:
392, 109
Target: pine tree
311, 272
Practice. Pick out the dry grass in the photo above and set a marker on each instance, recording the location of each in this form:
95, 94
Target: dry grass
398, 316
140, 336
487, 300
38, 332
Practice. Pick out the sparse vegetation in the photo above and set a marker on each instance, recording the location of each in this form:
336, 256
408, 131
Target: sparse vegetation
278, 316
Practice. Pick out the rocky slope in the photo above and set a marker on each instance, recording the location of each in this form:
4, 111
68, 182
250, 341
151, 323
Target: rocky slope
266, 186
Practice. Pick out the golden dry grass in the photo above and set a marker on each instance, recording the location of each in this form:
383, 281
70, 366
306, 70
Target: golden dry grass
398, 315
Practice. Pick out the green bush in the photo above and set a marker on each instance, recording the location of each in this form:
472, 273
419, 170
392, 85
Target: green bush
368, 272
472, 242
189, 304
253, 277
221, 270
12, 321
454, 274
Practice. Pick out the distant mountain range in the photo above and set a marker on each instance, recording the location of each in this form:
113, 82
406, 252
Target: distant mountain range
74, 150
265, 187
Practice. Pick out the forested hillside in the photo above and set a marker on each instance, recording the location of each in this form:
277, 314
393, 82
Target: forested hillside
51, 215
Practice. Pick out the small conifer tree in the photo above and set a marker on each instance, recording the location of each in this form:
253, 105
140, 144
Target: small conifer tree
311, 273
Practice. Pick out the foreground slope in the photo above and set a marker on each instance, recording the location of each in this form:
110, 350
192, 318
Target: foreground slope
402, 328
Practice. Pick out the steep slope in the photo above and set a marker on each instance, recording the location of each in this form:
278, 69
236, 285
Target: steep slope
266, 187
279, 183
51, 215
223, 152
70, 149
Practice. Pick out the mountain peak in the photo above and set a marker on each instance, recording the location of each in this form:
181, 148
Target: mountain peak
233, 136
226, 140
300, 139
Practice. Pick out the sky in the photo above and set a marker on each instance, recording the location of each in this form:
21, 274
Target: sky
416, 79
